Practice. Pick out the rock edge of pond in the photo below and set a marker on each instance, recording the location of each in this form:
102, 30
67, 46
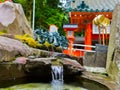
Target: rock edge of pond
102, 79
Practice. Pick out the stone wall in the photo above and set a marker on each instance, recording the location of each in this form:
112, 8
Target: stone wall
113, 55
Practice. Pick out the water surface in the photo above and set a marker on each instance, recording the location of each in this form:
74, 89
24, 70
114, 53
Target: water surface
32, 83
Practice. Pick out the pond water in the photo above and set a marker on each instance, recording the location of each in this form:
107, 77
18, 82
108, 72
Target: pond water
32, 83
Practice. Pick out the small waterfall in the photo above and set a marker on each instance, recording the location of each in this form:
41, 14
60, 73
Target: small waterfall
57, 77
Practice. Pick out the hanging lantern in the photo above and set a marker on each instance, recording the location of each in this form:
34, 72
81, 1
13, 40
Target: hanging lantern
105, 22
102, 22
98, 20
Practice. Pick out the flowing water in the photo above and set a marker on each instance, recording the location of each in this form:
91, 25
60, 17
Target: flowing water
57, 77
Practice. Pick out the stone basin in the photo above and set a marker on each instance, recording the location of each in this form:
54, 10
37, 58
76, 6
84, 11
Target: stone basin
38, 67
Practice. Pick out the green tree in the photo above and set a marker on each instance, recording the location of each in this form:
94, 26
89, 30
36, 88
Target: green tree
47, 12
52, 3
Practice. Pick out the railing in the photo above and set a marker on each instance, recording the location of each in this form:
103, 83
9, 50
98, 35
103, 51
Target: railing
79, 49
84, 50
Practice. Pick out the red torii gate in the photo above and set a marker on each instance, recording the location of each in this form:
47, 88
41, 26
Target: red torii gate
85, 21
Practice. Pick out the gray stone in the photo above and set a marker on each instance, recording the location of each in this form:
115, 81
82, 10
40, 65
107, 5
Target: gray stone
101, 55
11, 48
10, 71
89, 59
39, 65
96, 59
113, 55
13, 20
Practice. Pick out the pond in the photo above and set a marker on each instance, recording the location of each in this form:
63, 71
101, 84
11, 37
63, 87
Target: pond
35, 83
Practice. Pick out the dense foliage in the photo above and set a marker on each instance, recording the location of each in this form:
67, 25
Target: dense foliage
47, 13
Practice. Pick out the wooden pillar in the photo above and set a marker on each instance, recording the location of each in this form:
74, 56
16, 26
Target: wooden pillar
88, 36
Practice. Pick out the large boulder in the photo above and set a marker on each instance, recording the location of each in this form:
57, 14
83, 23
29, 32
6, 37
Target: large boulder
11, 48
11, 71
13, 20
113, 55
38, 67
42, 66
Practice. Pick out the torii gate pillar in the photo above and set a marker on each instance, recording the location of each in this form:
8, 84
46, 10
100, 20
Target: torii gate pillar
88, 36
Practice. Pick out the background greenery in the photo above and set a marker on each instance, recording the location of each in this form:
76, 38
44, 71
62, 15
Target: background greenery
47, 12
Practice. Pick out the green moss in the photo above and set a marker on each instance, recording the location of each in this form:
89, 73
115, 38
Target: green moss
101, 74
43, 54
4, 31
113, 71
40, 86
56, 62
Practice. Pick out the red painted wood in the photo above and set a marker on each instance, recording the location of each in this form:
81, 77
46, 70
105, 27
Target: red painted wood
82, 18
